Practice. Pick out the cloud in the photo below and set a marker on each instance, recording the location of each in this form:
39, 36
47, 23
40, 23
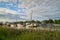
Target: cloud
9, 1
42, 9
7, 14
5, 10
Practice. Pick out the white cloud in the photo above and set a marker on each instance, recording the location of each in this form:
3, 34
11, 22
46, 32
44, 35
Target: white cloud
40, 8
9, 1
5, 10
4, 0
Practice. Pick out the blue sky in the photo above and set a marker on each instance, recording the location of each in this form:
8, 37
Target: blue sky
40, 9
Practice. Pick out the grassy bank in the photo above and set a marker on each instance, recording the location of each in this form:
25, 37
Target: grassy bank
11, 34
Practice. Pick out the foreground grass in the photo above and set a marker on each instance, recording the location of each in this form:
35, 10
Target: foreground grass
11, 34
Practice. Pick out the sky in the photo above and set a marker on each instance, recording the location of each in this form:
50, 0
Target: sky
10, 10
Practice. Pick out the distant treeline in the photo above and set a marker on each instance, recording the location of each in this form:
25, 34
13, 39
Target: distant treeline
52, 21
46, 21
39, 22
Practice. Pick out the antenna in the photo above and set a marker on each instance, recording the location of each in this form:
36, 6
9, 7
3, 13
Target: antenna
4, 11
31, 15
17, 10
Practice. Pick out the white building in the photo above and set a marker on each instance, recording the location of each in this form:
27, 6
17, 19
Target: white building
19, 26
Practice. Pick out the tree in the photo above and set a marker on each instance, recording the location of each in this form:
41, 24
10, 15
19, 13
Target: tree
46, 21
57, 21
51, 21
33, 21
38, 22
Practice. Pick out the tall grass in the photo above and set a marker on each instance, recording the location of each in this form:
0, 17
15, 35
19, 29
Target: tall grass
12, 34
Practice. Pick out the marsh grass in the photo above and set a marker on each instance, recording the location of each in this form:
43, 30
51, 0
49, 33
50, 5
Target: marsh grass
12, 34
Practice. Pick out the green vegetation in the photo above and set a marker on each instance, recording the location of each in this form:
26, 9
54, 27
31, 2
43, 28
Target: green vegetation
46, 21
12, 34
52, 21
